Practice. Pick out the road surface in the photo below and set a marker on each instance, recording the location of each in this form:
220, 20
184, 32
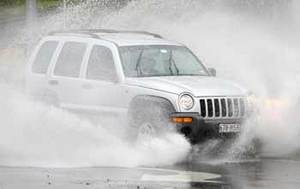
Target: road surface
258, 173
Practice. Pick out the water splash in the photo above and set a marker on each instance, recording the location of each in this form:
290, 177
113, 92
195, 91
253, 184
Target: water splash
251, 43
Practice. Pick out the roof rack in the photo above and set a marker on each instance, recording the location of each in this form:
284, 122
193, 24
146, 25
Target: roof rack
92, 35
93, 32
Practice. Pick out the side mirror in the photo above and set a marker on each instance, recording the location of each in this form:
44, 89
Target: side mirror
212, 72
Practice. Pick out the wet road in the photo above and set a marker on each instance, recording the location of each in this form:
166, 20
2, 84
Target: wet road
259, 173
262, 173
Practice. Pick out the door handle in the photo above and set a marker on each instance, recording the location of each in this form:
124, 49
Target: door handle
53, 82
87, 86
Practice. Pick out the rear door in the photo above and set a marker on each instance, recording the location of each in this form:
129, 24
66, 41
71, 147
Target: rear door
65, 78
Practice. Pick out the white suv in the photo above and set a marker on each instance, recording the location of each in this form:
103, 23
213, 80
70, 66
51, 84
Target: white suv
155, 82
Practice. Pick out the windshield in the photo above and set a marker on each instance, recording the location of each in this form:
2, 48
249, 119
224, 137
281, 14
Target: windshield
160, 60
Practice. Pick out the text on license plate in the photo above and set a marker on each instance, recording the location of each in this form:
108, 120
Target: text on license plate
229, 128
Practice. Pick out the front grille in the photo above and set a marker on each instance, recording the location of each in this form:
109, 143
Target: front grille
222, 107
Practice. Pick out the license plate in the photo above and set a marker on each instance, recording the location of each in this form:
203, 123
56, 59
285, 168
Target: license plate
229, 128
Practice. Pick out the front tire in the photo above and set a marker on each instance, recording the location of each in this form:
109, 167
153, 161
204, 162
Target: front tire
149, 118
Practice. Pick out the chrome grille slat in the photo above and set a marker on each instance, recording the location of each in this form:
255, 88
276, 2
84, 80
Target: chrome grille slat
206, 109
226, 107
222, 107
213, 107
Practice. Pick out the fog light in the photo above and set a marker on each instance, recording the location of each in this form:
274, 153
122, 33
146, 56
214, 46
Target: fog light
182, 119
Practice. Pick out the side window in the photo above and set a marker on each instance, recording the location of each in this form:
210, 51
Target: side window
101, 64
70, 59
43, 57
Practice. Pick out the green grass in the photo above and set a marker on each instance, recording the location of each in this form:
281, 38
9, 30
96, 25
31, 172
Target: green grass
48, 4
42, 4
11, 3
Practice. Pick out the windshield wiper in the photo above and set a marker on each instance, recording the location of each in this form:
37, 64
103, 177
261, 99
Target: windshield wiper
171, 61
138, 64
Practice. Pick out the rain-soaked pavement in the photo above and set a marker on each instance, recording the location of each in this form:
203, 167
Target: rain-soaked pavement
259, 173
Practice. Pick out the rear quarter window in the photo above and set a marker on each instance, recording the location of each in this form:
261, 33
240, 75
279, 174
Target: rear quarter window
44, 56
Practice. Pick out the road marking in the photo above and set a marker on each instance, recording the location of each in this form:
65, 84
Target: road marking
167, 175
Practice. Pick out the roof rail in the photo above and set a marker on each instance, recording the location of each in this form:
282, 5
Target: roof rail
121, 31
92, 35
92, 32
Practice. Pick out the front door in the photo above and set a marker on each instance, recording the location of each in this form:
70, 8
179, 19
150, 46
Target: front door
101, 89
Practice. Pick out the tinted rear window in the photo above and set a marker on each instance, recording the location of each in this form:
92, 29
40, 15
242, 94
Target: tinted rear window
70, 59
44, 56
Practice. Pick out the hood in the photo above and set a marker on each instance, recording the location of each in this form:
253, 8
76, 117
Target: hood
197, 85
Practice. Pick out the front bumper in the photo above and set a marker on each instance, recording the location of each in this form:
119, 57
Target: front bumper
201, 129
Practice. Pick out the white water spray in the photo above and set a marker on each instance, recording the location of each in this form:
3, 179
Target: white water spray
255, 49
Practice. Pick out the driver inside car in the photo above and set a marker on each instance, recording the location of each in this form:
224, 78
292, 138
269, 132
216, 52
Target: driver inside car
148, 66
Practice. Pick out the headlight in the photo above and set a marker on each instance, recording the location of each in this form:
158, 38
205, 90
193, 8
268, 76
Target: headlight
186, 102
252, 100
